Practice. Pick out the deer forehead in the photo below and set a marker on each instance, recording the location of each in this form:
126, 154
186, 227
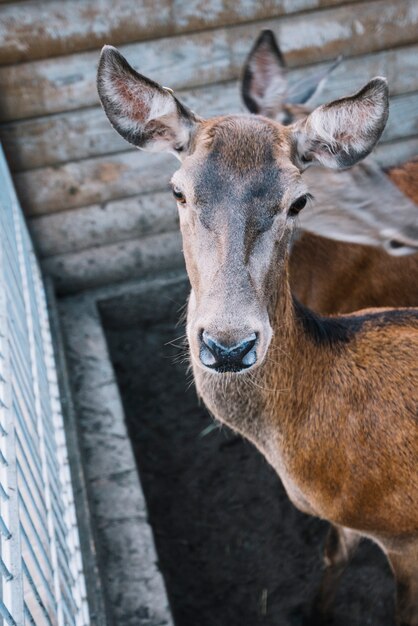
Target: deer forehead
241, 160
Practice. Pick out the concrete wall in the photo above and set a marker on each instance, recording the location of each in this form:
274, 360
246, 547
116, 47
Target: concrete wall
98, 210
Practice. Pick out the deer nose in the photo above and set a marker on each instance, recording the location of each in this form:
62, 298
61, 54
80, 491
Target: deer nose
223, 358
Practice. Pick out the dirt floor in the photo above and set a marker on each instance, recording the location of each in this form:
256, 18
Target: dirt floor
232, 548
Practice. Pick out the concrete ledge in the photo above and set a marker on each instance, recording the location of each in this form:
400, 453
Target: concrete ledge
127, 559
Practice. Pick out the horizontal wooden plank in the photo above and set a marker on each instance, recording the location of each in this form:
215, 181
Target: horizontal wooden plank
39, 29
97, 180
92, 181
102, 224
117, 262
56, 139
68, 83
396, 152
403, 118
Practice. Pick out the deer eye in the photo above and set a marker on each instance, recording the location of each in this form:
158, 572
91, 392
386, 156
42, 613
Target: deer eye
179, 195
297, 206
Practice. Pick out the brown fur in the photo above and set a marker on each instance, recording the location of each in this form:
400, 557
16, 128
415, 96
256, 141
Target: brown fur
217, 130
335, 277
355, 441
361, 276
406, 178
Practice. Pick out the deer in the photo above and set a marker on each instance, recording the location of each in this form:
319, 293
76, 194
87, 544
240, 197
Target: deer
330, 401
359, 211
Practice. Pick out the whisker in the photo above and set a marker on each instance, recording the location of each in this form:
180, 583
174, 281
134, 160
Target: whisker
182, 312
209, 429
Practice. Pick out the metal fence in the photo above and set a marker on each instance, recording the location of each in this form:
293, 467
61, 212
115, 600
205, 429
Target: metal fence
42, 582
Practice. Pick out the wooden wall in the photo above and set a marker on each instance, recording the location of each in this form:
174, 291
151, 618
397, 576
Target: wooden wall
99, 211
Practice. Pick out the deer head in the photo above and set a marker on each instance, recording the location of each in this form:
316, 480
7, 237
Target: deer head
265, 87
238, 190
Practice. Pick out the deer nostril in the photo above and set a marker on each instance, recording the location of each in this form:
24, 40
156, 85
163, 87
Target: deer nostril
227, 358
395, 244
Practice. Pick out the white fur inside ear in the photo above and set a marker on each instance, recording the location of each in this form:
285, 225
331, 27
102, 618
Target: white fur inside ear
136, 104
275, 95
347, 127
343, 132
161, 105
130, 98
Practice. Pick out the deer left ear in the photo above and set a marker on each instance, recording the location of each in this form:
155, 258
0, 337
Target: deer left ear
144, 113
343, 132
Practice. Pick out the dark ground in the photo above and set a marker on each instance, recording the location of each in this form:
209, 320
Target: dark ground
232, 548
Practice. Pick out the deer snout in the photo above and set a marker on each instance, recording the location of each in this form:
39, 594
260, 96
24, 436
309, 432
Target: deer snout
221, 357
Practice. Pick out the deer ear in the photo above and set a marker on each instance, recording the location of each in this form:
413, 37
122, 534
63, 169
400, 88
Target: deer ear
341, 133
144, 113
264, 81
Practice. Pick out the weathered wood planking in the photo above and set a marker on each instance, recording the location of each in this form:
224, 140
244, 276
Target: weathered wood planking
44, 29
102, 224
91, 181
68, 83
122, 174
403, 118
117, 262
74, 135
143, 215
396, 152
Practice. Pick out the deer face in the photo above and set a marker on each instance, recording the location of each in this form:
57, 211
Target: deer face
238, 195
239, 189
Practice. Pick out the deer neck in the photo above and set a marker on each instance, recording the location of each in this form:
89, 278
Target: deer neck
281, 407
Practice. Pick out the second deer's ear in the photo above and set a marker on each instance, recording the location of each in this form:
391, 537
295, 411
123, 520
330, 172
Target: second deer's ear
144, 113
308, 87
264, 81
343, 132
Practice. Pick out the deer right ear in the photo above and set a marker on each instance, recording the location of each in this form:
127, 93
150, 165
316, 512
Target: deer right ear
144, 113
343, 132
264, 81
